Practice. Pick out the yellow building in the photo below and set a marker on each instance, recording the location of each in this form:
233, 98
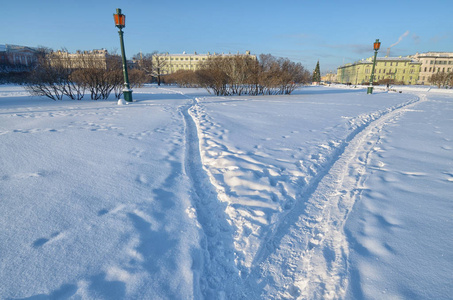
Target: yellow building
170, 63
81, 59
398, 70
329, 77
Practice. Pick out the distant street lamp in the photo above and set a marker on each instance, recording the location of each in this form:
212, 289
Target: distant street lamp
120, 22
376, 47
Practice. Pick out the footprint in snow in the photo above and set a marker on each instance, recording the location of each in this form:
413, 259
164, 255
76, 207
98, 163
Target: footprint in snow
42, 241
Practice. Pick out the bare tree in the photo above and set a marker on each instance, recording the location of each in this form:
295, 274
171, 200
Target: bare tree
442, 79
46, 79
238, 74
183, 78
153, 64
159, 64
144, 62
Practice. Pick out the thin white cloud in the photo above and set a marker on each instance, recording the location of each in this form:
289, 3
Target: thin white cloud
436, 39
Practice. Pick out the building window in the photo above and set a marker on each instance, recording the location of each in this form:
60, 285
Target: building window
431, 62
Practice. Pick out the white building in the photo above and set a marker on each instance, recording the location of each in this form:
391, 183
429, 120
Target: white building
433, 62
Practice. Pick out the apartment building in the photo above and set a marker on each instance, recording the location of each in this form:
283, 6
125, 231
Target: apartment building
403, 70
98, 58
170, 63
433, 62
14, 55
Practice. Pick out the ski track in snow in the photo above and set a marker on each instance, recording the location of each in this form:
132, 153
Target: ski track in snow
304, 254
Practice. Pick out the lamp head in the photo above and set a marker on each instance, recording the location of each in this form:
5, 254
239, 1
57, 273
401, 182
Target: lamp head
376, 45
120, 19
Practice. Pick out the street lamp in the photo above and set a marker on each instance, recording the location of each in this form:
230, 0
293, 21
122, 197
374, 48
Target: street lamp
376, 47
120, 22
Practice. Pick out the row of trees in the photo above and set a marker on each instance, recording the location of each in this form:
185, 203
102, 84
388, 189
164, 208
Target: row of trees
238, 75
55, 76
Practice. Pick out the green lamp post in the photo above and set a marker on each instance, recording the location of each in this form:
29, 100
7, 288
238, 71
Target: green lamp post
376, 47
120, 22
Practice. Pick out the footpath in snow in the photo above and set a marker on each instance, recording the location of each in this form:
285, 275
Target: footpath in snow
325, 194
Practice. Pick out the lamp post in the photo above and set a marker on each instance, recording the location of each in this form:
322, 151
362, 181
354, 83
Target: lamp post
376, 47
120, 22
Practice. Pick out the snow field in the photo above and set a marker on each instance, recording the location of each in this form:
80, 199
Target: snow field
325, 194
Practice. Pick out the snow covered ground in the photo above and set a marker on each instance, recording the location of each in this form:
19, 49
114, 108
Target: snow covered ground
328, 193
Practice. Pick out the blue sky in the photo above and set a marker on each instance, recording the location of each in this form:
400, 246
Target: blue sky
333, 32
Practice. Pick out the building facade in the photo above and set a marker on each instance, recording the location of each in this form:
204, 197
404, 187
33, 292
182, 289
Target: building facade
398, 70
81, 59
17, 56
329, 77
170, 63
433, 62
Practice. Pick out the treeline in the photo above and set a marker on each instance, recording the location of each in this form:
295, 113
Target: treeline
238, 75
55, 76
14, 73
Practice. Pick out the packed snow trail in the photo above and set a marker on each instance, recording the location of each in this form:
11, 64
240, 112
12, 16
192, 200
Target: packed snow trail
215, 268
399, 232
306, 255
